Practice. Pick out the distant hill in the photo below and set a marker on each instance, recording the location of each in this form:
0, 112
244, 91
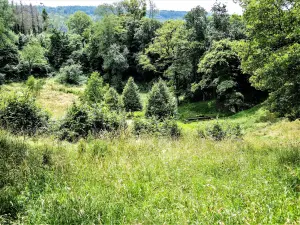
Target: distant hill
68, 10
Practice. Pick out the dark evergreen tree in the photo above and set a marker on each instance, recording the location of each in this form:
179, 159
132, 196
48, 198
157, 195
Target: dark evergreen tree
161, 104
59, 50
131, 98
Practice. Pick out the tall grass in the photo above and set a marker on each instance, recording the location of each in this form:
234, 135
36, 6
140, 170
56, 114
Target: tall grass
161, 181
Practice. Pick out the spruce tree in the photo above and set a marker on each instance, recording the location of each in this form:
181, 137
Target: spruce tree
161, 103
112, 99
131, 98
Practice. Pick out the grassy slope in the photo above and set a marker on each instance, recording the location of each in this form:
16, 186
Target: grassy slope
152, 180
54, 98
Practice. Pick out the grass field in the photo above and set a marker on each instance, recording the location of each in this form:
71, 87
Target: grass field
153, 180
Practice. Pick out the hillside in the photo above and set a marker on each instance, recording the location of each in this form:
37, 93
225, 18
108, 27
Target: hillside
135, 121
128, 179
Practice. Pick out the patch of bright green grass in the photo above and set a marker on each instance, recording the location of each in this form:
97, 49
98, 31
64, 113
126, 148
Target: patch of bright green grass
54, 98
192, 110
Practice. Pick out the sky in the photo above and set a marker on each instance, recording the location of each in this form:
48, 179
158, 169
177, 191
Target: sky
180, 5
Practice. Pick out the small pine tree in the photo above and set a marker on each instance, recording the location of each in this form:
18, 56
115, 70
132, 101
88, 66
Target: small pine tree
95, 89
131, 97
112, 99
161, 104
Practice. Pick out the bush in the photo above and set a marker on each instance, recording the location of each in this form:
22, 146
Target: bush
76, 123
161, 103
155, 127
95, 89
20, 114
218, 132
130, 98
70, 74
112, 99
34, 86
106, 121
268, 117
82, 120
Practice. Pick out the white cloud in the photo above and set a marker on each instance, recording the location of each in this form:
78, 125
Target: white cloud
184, 5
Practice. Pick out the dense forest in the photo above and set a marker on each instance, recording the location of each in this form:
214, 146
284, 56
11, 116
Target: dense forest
229, 58
124, 114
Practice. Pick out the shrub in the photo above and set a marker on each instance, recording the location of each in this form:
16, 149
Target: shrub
95, 89
268, 117
155, 127
216, 132
34, 86
70, 74
112, 99
106, 121
130, 98
82, 120
76, 123
161, 103
20, 114
171, 128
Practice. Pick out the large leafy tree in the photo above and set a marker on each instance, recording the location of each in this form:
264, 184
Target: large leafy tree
197, 23
271, 55
33, 53
105, 33
167, 55
79, 23
222, 77
219, 25
115, 63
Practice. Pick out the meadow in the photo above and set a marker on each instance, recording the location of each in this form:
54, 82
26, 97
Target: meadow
150, 179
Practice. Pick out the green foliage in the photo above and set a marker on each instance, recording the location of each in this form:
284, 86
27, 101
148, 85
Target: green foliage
161, 104
59, 50
82, 120
34, 86
131, 99
153, 126
169, 48
112, 99
70, 74
219, 132
106, 121
21, 115
271, 55
220, 23
115, 63
76, 124
216, 132
8, 62
221, 72
95, 89
79, 22
33, 53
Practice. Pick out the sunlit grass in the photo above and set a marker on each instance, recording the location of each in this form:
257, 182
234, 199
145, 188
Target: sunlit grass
154, 180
